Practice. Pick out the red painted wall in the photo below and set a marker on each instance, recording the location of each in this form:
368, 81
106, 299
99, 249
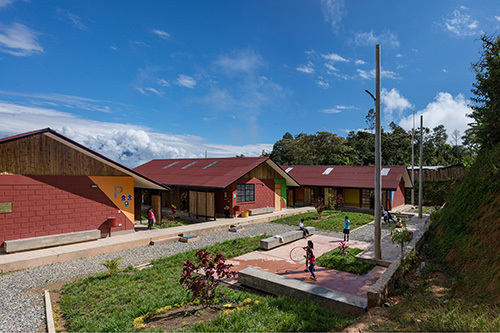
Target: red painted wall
264, 196
399, 195
49, 205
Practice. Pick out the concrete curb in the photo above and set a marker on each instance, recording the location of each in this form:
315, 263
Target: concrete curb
378, 293
48, 313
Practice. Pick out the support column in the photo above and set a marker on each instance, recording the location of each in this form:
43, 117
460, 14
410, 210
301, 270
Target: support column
420, 180
156, 206
378, 162
137, 203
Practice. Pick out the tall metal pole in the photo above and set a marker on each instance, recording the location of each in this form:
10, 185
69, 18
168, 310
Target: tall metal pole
420, 180
413, 161
378, 164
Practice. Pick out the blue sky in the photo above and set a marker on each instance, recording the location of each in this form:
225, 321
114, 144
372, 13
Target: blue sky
137, 80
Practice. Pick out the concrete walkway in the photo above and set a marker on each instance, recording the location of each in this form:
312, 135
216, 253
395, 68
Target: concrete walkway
22, 260
391, 252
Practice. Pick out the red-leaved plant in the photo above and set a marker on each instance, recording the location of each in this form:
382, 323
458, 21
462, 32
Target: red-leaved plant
200, 277
343, 247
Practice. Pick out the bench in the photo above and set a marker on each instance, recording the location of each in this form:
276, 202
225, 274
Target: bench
34, 243
287, 237
189, 239
258, 211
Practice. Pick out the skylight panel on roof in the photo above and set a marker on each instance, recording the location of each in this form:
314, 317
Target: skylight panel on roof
385, 171
190, 164
288, 170
168, 166
327, 171
211, 165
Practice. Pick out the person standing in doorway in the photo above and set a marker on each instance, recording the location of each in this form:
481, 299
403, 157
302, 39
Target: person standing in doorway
347, 227
151, 218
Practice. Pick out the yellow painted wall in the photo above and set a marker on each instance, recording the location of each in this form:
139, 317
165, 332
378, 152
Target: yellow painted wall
120, 190
351, 197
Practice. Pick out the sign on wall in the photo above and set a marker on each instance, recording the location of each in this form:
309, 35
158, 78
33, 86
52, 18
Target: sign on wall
120, 190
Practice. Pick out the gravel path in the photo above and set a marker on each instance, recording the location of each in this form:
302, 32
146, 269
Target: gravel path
22, 308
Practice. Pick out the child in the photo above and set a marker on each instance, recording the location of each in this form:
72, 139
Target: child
310, 258
304, 230
347, 226
151, 218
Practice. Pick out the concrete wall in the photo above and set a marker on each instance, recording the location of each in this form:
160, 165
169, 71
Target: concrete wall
50, 205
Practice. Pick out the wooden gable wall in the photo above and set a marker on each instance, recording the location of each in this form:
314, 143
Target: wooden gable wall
42, 155
263, 171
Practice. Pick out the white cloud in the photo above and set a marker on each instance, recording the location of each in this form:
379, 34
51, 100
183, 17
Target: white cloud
369, 75
461, 24
114, 47
69, 101
333, 10
337, 109
497, 18
370, 39
5, 3
322, 83
334, 57
246, 61
308, 69
393, 101
66, 15
445, 70
155, 91
127, 144
186, 81
330, 111
163, 83
162, 34
330, 68
444, 110
360, 62
19, 40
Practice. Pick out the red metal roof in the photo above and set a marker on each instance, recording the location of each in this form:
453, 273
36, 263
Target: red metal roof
204, 172
347, 176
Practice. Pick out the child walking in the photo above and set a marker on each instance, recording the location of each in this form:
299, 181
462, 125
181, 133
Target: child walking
347, 226
310, 258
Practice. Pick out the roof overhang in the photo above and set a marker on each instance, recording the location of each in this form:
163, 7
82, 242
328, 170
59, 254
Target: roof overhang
289, 180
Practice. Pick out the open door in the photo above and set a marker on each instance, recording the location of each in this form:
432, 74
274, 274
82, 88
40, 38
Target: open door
277, 197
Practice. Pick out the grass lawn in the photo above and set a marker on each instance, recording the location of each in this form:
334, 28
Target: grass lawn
103, 303
334, 220
345, 262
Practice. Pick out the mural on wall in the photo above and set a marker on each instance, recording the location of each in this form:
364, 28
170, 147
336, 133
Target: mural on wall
120, 190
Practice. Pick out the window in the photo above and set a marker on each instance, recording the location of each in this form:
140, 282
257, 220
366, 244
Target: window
288, 170
168, 166
211, 165
385, 171
245, 192
327, 171
190, 164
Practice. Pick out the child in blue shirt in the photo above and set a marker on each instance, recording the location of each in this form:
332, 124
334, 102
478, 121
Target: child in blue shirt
347, 226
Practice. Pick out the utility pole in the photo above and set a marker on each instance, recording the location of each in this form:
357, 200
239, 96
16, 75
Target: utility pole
413, 161
378, 164
420, 180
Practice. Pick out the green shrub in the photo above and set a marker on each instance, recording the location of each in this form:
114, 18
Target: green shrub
344, 261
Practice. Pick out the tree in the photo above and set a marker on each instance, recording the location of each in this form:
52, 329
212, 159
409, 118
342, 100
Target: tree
486, 107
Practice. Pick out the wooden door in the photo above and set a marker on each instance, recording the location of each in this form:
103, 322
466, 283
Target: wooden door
277, 197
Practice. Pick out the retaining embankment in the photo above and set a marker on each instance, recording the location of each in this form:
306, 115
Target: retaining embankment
379, 292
